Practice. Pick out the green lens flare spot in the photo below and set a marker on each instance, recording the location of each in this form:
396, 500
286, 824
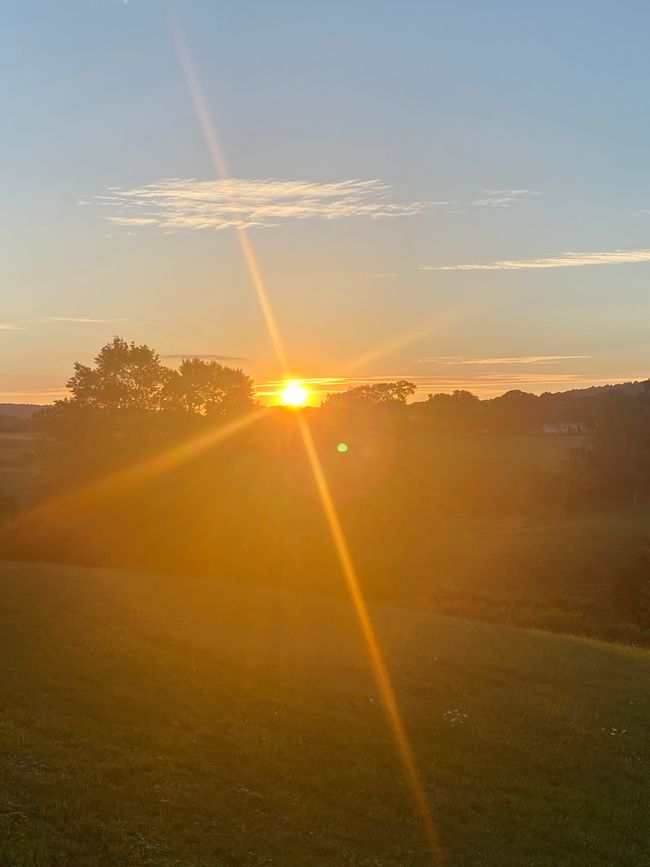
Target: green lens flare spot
342, 448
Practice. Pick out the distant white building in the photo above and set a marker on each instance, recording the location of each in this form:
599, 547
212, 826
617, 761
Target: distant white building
564, 427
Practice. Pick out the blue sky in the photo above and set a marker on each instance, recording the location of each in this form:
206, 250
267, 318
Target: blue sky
377, 151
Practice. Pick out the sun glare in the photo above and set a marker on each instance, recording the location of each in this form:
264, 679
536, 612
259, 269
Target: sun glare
294, 394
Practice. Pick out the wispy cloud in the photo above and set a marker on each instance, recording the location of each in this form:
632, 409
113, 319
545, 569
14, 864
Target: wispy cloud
6, 326
386, 275
107, 4
450, 360
190, 204
502, 198
81, 320
565, 260
180, 356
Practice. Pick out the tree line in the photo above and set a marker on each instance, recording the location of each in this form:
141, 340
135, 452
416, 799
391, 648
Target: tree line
248, 502
148, 466
130, 378
129, 401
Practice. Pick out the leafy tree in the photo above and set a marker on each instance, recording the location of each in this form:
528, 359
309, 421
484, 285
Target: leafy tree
128, 399
459, 397
207, 388
375, 394
514, 412
459, 411
124, 377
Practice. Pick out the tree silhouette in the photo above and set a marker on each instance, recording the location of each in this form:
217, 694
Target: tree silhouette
128, 396
375, 394
125, 377
207, 388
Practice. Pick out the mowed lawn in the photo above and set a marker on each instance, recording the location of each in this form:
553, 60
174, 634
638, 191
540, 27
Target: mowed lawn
152, 720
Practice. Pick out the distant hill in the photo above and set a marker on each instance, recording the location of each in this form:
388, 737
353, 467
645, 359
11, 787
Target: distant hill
19, 410
631, 388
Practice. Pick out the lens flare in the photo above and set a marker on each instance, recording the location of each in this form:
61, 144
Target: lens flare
380, 670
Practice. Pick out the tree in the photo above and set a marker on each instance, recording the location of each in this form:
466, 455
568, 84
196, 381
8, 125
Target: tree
458, 397
207, 388
128, 396
375, 394
459, 411
124, 377
514, 412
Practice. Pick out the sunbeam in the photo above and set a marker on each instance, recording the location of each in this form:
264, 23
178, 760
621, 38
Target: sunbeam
381, 674
405, 338
141, 472
216, 154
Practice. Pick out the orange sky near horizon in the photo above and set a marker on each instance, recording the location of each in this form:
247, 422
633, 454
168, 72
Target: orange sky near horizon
420, 209
270, 392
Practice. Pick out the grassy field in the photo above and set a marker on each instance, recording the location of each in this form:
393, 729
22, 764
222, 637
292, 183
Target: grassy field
555, 572
19, 464
545, 571
152, 720
511, 451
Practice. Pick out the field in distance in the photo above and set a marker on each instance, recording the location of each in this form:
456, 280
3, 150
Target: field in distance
19, 464
186, 722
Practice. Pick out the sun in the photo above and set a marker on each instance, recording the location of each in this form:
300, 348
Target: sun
294, 394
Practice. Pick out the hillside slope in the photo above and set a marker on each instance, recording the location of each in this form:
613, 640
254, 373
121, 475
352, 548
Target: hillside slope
19, 410
152, 720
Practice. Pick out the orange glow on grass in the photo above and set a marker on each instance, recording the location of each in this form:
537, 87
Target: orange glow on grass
380, 670
123, 481
378, 663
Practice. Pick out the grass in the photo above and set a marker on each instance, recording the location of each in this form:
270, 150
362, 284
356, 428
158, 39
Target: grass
512, 451
20, 459
154, 720
549, 572
557, 572
19, 464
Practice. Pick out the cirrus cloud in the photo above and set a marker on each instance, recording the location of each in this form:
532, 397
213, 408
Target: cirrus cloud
202, 356
565, 260
188, 204
502, 198
450, 360
84, 320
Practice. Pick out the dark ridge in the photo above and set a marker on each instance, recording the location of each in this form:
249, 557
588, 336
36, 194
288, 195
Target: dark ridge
19, 410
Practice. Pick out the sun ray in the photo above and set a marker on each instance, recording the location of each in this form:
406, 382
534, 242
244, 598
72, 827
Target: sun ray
380, 670
216, 154
403, 338
378, 665
143, 471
